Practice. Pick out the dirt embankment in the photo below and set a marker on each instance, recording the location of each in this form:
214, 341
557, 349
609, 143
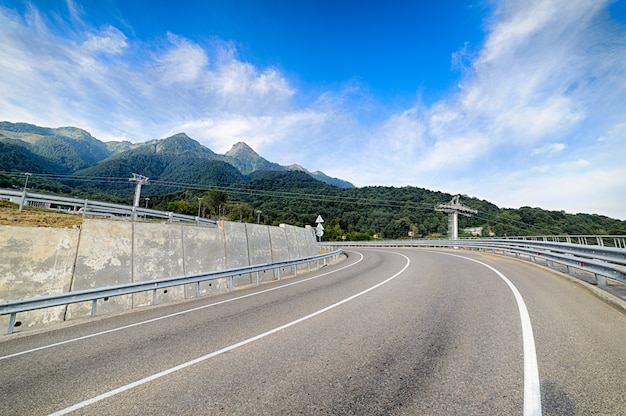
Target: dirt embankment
34, 217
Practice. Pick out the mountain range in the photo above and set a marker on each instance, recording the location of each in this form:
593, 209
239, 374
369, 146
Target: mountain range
187, 177
69, 150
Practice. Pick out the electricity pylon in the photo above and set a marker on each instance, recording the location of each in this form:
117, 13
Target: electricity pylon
141, 180
453, 209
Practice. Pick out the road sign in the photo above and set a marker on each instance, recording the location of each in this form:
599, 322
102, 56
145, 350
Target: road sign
319, 227
411, 233
319, 219
319, 232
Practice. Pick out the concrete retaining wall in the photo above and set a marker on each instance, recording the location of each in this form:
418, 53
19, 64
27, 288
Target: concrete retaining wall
204, 250
38, 261
34, 262
104, 258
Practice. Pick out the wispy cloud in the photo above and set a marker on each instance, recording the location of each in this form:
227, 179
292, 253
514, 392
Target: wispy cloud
108, 40
549, 73
549, 81
548, 148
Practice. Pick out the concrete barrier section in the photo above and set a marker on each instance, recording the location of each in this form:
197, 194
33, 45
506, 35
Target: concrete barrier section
236, 246
158, 253
293, 246
104, 259
280, 249
260, 249
36, 261
298, 243
203, 250
309, 241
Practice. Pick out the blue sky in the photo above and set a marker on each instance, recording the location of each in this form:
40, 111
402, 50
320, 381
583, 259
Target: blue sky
522, 103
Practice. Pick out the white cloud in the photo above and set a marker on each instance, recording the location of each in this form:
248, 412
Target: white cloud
110, 40
548, 148
183, 62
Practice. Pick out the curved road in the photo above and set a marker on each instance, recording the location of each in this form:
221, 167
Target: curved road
394, 332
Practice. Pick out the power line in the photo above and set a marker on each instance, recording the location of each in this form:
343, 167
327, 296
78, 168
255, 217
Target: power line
240, 189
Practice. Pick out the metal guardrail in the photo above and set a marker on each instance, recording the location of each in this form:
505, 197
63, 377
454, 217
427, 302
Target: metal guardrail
13, 307
602, 262
618, 241
92, 208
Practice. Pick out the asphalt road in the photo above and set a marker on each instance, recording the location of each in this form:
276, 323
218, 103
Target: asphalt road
393, 332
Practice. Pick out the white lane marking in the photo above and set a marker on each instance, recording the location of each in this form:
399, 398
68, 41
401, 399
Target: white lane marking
226, 349
178, 313
532, 389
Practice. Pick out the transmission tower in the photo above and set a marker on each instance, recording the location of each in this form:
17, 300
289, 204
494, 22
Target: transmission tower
453, 209
141, 180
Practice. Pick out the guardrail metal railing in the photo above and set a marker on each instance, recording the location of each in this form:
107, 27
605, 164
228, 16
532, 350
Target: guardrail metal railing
13, 307
617, 241
603, 262
87, 207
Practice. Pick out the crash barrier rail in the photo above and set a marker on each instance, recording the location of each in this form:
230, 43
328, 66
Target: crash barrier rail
13, 307
602, 262
92, 208
618, 241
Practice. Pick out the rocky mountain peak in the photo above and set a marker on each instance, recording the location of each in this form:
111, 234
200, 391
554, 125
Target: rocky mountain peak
242, 150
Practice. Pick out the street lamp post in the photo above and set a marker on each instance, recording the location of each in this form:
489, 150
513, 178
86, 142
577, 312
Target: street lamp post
199, 204
147, 199
258, 216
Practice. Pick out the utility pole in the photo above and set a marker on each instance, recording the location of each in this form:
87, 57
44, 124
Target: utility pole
453, 209
24, 194
141, 180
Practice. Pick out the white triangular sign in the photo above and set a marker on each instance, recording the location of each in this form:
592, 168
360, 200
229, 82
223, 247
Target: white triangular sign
319, 219
319, 227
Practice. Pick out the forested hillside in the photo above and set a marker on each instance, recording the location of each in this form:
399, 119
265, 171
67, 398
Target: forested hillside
359, 213
218, 190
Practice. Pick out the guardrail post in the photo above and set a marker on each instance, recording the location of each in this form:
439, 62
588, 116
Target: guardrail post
94, 305
279, 274
230, 283
154, 296
258, 277
600, 280
197, 289
11, 323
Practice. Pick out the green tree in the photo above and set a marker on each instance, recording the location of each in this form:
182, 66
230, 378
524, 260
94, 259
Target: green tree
215, 203
240, 212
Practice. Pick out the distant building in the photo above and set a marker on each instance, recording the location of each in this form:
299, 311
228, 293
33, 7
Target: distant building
477, 231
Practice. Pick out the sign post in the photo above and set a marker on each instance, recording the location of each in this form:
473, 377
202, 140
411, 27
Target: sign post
319, 230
